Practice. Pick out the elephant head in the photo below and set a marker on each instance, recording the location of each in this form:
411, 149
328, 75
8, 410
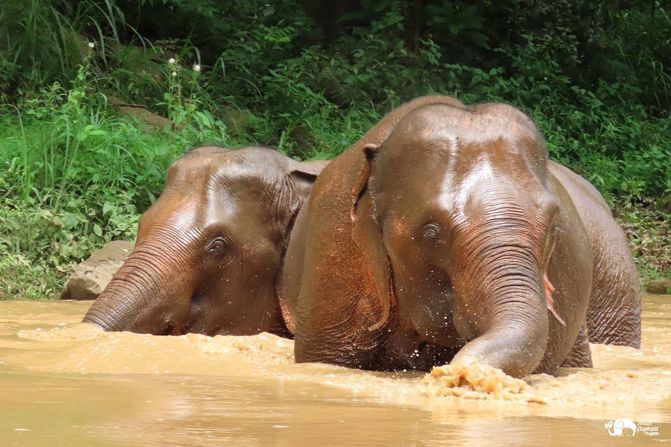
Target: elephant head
209, 250
451, 226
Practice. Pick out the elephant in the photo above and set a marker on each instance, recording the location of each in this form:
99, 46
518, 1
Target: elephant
209, 250
446, 235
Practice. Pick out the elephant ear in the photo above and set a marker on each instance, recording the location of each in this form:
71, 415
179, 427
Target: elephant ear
347, 277
292, 199
307, 169
303, 174
367, 235
295, 189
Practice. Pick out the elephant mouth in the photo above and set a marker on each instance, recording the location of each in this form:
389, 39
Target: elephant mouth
433, 319
429, 354
419, 356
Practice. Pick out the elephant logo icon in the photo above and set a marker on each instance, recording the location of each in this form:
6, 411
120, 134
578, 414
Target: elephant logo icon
618, 427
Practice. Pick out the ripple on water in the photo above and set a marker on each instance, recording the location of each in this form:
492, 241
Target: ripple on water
63, 332
627, 378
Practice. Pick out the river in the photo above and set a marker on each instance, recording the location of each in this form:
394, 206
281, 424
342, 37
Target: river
63, 383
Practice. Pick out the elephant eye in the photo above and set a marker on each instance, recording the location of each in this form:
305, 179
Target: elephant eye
217, 245
430, 231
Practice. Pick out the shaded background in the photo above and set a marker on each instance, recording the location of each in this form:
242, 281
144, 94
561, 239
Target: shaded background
93, 108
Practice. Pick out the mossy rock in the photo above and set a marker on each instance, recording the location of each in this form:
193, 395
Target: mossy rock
92, 275
660, 286
238, 121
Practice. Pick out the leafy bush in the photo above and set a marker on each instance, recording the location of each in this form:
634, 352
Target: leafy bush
75, 176
75, 173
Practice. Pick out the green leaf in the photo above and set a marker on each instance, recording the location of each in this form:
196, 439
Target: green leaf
70, 220
82, 135
108, 207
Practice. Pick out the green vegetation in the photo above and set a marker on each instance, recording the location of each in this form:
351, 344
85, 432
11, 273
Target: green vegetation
76, 169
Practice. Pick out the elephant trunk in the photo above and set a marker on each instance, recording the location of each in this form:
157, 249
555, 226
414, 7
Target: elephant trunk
500, 303
142, 296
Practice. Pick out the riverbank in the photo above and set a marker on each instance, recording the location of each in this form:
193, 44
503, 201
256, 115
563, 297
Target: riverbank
647, 224
91, 120
41, 247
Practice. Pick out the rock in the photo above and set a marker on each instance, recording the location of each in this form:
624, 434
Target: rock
664, 203
92, 275
145, 116
660, 286
140, 112
238, 122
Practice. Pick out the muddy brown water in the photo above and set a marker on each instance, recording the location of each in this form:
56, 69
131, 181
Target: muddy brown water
63, 383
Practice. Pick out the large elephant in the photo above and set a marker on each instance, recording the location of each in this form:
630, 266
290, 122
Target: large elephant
208, 252
446, 235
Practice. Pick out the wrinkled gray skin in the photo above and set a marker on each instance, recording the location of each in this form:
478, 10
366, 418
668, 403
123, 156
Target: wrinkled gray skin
452, 238
209, 251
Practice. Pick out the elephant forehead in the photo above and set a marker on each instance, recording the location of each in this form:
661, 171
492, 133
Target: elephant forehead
220, 209
489, 183
481, 127
198, 204
456, 186
237, 202
210, 163
175, 211
207, 169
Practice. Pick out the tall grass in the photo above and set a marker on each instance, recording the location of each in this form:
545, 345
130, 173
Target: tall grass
74, 173
43, 41
39, 39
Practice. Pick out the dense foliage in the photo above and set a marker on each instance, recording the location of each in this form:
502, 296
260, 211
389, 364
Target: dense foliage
308, 78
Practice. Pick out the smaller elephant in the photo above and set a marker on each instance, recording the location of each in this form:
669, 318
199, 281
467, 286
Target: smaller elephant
617, 427
209, 250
